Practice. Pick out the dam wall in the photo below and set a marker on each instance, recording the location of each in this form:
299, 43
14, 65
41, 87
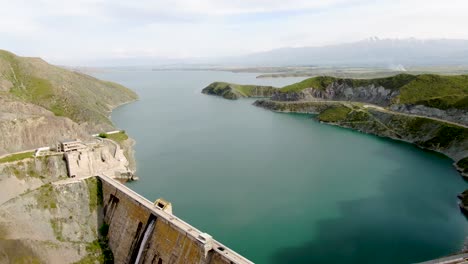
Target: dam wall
140, 232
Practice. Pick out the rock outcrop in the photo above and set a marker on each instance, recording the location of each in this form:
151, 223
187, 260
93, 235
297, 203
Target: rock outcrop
305, 107
46, 218
337, 91
452, 114
26, 126
463, 203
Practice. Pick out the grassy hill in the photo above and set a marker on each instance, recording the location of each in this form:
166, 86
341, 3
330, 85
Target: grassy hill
431, 90
82, 98
234, 91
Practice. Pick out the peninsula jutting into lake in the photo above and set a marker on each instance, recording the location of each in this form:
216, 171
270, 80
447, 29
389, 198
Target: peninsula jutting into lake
427, 110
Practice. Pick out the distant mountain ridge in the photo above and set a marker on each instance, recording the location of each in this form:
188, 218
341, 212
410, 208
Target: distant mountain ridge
389, 53
369, 52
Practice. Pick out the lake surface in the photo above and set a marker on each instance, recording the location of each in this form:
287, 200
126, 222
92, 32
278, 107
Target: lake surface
283, 188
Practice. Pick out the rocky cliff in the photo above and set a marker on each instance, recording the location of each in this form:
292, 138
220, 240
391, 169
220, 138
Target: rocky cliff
452, 114
341, 91
27, 126
444, 97
46, 218
236, 91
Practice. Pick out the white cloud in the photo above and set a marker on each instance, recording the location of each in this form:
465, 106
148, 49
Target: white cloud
67, 31
226, 7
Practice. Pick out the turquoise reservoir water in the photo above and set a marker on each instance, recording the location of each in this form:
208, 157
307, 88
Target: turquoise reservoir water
283, 188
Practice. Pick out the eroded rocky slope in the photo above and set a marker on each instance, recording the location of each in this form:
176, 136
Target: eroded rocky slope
26, 126
45, 217
337, 91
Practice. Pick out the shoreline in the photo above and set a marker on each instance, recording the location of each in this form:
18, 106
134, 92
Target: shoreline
118, 106
454, 163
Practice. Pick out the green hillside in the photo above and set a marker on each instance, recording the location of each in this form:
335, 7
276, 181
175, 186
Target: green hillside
319, 82
80, 97
436, 91
431, 90
234, 91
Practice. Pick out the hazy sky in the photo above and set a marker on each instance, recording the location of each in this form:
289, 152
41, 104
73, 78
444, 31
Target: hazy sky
79, 31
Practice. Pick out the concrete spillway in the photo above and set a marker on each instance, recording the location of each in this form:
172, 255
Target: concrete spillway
148, 232
140, 232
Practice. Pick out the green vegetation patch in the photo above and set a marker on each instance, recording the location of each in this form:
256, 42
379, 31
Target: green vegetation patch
320, 82
464, 198
57, 227
359, 116
254, 90
437, 91
17, 157
117, 137
393, 82
334, 114
447, 135
95, 193
418, 126
104, 230
98, 252
463, 164
234, 91
46, 197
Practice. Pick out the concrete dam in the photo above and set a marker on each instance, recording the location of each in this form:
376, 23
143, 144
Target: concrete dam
142, 232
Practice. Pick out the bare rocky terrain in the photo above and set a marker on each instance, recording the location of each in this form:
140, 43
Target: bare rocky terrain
26, 126
46, 217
